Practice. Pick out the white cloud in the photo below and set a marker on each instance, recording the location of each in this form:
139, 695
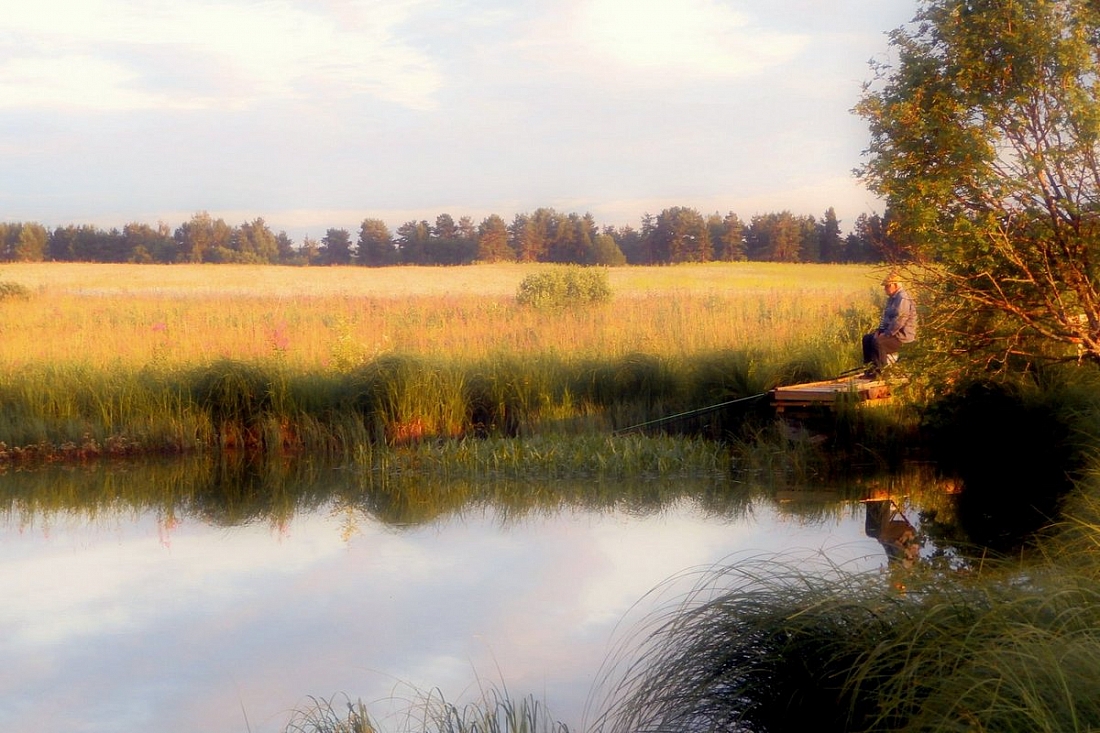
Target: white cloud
693, 37
109, 54
80, 81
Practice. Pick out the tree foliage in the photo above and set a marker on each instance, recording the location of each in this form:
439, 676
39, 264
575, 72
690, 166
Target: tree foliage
335, 248
492, 241
375, 246
676, 234
984, 141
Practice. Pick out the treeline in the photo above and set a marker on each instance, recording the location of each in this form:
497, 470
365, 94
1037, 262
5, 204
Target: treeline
675, 235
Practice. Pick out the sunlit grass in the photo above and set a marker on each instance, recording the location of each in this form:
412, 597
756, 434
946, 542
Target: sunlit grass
312, 318
181, 358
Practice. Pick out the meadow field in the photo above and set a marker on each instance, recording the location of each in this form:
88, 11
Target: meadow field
325, 317
182, 356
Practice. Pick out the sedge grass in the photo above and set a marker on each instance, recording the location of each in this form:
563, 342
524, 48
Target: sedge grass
767, 647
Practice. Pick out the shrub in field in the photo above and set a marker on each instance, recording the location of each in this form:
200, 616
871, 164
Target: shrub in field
564, 286
11, 291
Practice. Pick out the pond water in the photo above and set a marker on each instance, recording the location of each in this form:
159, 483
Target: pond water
160, 608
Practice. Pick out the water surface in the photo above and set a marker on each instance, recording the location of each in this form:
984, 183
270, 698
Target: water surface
173, 613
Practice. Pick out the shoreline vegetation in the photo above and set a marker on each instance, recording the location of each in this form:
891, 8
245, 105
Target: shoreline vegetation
121, 360
442, 372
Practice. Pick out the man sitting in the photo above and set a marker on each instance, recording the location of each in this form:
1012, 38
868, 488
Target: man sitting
898, 326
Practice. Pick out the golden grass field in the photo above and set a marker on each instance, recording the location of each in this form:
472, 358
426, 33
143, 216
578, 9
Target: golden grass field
131, 316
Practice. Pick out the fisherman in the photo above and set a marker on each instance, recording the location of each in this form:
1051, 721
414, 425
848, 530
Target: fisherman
898, 326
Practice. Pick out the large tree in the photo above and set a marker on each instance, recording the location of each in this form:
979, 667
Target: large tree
21, 242
831, 248
335, 248
492, 240
777, 237
202, 238
412, 241
984, 142
679, 234
255, 242
375, 246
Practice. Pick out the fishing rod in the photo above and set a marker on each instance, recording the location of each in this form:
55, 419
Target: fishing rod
689, 413
722, 405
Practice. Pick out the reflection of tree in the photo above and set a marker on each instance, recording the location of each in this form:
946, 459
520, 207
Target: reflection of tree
889, 525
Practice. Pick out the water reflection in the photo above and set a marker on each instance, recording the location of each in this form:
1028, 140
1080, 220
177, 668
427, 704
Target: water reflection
886, 522
204, 596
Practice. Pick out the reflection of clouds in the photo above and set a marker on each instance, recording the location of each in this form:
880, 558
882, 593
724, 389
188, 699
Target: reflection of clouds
123, 632
119, 582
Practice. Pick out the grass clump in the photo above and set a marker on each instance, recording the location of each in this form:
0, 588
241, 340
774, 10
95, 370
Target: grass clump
496, 712
564, 286
766, 648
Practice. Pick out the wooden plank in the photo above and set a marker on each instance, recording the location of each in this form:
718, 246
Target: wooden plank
830, 391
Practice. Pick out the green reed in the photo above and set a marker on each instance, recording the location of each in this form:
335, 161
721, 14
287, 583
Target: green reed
392, 400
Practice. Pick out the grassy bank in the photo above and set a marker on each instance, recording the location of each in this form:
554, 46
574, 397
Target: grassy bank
127, 359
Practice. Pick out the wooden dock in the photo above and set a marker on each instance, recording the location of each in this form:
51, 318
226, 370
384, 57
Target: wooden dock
830, 393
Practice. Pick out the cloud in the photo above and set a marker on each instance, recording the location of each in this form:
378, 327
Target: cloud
111, 55
700, 38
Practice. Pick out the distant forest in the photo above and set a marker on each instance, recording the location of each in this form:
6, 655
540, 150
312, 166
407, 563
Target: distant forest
675, 235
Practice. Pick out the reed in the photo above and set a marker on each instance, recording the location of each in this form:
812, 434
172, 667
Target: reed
394, 400
495, 712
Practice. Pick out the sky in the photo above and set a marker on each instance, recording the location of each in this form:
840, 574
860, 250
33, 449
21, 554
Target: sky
317, 114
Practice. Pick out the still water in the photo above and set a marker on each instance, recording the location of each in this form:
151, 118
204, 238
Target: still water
159, 608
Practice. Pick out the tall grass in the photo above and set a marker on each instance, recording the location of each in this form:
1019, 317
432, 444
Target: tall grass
767, 647
191, 358
324, 318
392, 400
496, 712
331, 715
